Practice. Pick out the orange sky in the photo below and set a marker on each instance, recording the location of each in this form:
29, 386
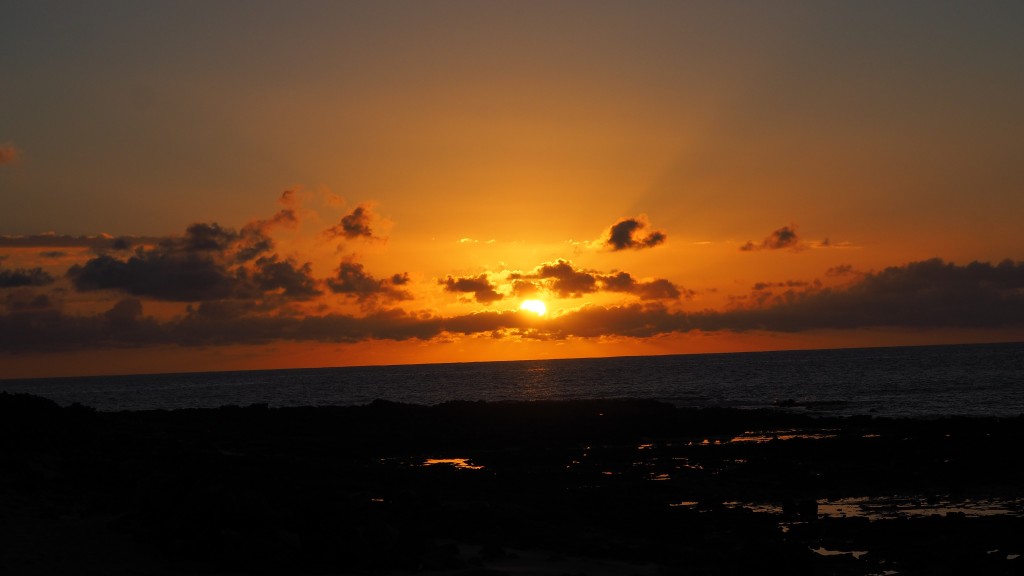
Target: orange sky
374, 183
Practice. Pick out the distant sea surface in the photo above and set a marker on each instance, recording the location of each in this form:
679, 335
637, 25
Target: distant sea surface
976, 380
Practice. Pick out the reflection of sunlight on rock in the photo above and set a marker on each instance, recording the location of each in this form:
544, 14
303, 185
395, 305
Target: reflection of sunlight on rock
459, 463
767, 436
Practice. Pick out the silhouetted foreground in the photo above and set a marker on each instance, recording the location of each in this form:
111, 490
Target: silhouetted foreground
595, 487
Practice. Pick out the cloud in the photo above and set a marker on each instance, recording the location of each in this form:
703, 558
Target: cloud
355, 224
920, 295
208, 262
841, 270
286, 277
203, 237
46, 329
8, 154
10, 278
97, 243
659, 289
352, 280
289, 199
483, 291
524, 288
787, 284
784, 237
562, 278
628, 233
161, 275
23, 300
126, 312
566, 281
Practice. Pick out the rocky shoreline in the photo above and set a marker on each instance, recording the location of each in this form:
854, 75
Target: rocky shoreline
581, 487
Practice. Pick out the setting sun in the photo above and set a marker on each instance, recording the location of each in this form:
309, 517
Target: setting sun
535, 306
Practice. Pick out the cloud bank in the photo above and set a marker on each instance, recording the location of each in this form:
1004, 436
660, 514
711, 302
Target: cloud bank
921, 295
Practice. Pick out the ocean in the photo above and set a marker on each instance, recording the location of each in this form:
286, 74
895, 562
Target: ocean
921, 381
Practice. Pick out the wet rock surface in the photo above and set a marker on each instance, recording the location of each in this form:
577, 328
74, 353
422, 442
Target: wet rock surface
585, 487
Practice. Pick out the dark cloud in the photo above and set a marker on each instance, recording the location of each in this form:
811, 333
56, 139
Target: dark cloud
8, 154
254, 238
221, 310
23, 300
562, 278
203, 237
524, 288
628, 233
565, 280
98, 243
484, 322
840, 270
920, 295
784, 237
786, 284
11, 278
764, 292
126, 312
49, 330
480, 286
208, 262
352, 280
286, 277
53, 254
928, 294
162, 275
357, 224
659, 289
249, 243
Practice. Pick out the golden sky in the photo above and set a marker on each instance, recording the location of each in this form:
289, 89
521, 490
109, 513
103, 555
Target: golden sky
186, 186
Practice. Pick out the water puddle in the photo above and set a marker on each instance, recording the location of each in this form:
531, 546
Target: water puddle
890, 507
879, 508
822, 551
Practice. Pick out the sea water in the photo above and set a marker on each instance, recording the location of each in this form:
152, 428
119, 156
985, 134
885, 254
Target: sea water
926, 381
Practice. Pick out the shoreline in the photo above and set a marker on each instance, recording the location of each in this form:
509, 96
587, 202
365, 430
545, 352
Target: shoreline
618, 486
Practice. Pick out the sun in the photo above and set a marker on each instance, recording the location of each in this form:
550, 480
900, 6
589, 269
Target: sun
535, 306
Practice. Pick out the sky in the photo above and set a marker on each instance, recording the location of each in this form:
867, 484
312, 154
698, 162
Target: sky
194, 186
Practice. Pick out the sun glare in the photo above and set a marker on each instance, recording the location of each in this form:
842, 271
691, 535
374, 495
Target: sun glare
535, 306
